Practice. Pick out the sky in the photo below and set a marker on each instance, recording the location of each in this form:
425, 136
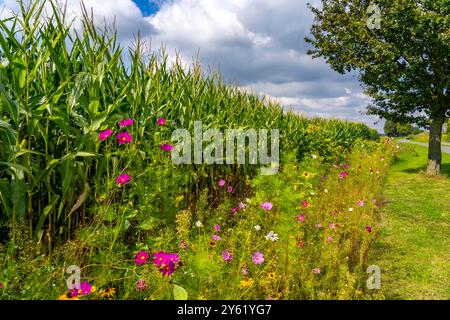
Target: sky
258, 45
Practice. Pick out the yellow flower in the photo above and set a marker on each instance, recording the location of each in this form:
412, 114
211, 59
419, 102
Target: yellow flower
271, 275
65, 296
307, 175
107, 293
246, 283
312, 128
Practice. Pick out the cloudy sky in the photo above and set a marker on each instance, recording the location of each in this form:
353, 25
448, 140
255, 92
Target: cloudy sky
258, 45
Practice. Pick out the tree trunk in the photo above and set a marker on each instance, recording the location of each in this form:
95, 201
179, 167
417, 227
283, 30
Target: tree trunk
434, 146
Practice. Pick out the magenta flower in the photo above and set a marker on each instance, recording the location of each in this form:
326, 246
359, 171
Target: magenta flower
173, 258
166, 147
183, 244
162, 121
345, 166
159, 258
258, 258
141, 257
124, 137
217, 227
221, 183
316, 271
361, 203
369, 229
234, 210
166, 262
226, 256
266, 206
343, 175
126, 123
105, 134
332, 226
2, 286
301, 218
329, 239
85, 288
242, 205
122, 179
215, 237
141, 285
230, 189
305, 204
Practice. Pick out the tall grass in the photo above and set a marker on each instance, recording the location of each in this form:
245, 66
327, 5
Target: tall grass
59, 87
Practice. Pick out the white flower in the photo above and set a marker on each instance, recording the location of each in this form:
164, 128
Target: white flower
312, 193
199, 224
247, 200
257, 228
350, 209
313, 156
326, 190
272, 236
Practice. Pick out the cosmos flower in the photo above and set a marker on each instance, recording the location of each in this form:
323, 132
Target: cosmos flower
215, 237
124, 137
369, 229
316, 271
329, 239
221, 183
234, 210
85, 288
141, 285
105, 134
166, 147
122, 179
343, 175
183, 244
258, 258
332, 226
217, 227
199, 224
266, 206
301, 218
230, 189
305, 204
162, 121
141, 257
226, 256
241, 205
126, 123
272, 236
361, 203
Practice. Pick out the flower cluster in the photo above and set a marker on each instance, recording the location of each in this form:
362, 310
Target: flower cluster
167, 263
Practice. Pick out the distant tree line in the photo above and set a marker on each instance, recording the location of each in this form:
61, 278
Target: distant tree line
399, 129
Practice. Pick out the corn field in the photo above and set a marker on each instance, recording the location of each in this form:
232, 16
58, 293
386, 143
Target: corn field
60, 87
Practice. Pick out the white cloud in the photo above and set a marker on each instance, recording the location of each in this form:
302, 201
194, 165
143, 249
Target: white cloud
257, 44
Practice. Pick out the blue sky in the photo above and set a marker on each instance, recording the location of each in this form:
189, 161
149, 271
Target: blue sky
258, 45
147, 7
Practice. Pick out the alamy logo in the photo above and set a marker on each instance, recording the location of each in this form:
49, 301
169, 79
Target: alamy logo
218, 152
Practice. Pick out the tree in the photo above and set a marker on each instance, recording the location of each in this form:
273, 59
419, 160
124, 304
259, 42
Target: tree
390, 128
403, 64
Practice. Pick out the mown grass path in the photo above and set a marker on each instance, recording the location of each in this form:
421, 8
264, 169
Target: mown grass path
413, 250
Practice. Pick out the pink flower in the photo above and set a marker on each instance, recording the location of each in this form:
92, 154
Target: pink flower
217, 227
105, 134
221, 183
316, 271
1, 285
305, 204
234, 210
258, 258
126, 123
241, 205
141, 285
319, 225
183, 244
374, 201
124, 137
343, 175
230, 189
266, 206
122, 179
226, 256
369, 229
361, 203
166, 147
141, 257
345, 166
329, 239
301, 218
85, 288
161, 121
244, 270
166, 262
215, 237
332, 226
